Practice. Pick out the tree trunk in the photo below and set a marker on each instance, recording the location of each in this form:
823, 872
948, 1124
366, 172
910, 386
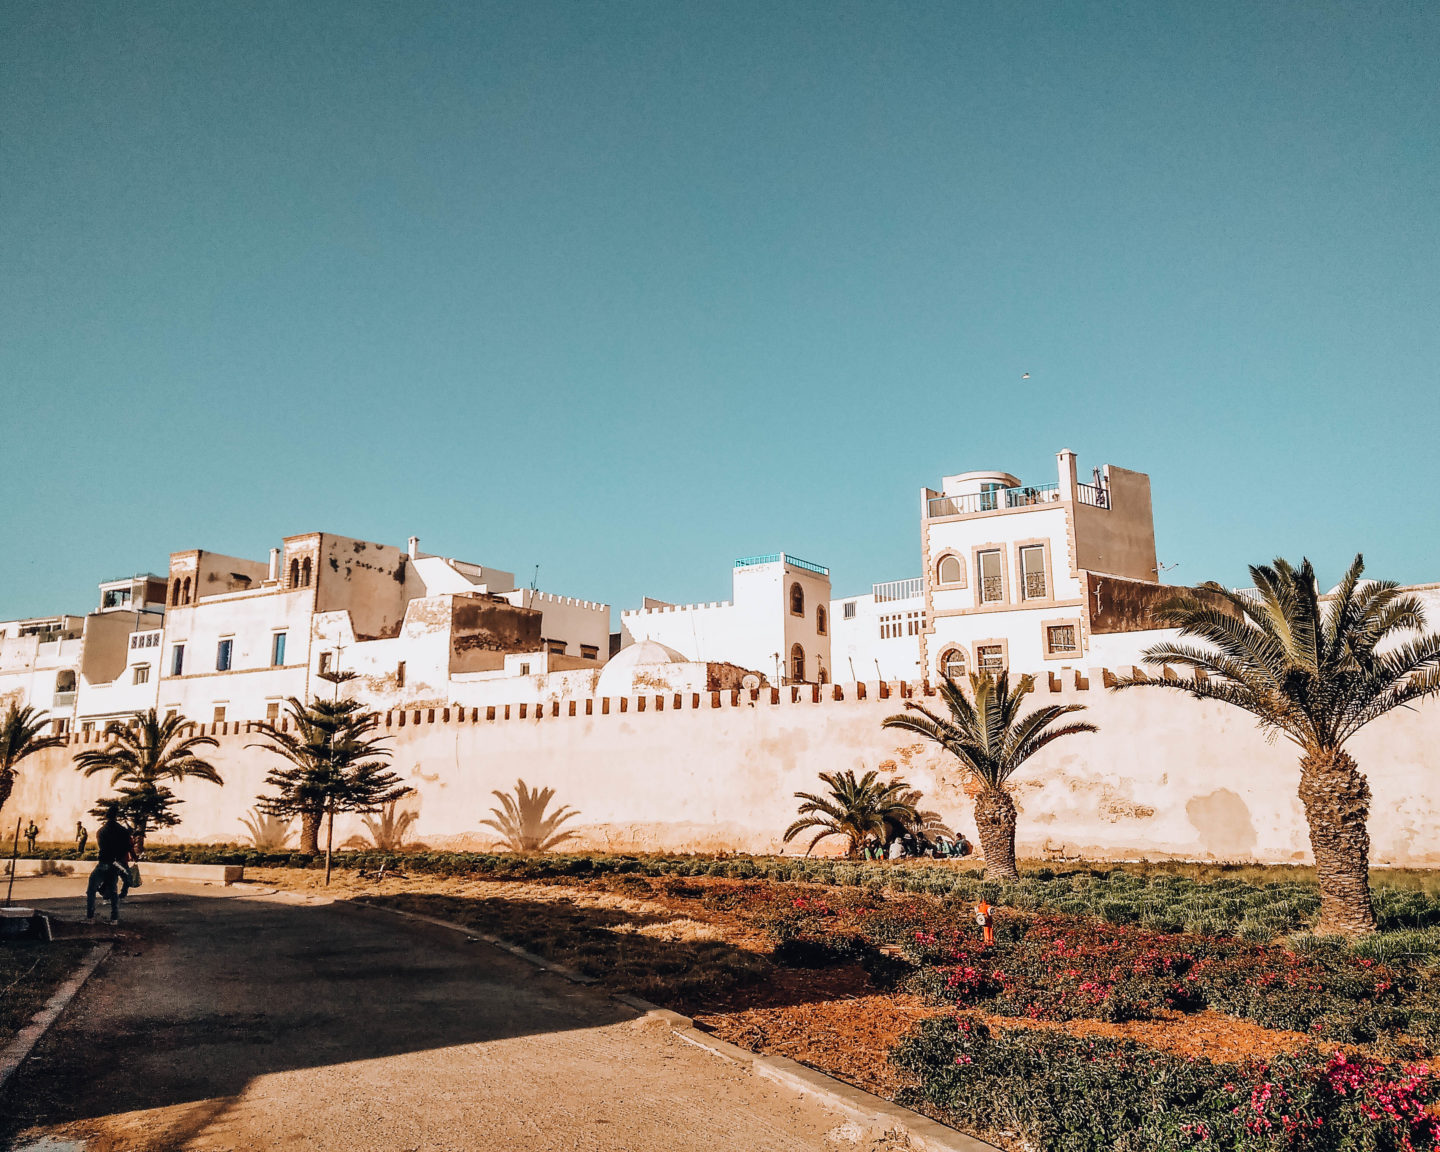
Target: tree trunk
1337, 803
329, 843
310, 832
995, 821
7, 782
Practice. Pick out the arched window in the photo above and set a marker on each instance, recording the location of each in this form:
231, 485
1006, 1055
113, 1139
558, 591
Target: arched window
952, 663
822, 620
65, 681
175, 594
185, 595
797, 663
797, 600
294, 573
949, 571
305, 572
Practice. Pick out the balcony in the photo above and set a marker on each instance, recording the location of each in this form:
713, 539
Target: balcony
898, 590
782, 557
1091, 495
996, 500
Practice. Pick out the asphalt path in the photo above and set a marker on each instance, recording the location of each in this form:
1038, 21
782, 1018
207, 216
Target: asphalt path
229, 1020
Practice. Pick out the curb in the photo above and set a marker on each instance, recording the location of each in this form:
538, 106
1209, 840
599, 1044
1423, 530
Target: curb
26, 1039
865, 1108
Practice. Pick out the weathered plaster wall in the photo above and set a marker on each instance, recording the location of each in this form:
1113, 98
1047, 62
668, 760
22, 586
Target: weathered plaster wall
1166, 776
1120, 539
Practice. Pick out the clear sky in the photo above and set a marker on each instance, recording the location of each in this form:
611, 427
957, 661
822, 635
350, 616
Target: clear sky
630, 290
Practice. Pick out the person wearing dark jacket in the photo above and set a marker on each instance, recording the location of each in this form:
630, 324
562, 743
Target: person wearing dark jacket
111, 877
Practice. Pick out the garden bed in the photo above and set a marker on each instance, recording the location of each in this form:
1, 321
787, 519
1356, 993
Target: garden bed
892, 991
30, 972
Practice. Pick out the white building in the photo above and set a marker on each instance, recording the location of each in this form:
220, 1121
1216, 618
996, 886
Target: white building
877, 636
777, 622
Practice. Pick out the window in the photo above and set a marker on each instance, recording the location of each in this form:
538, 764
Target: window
797, 662
797, 600
325, 662
590, 651
400, 674
524, 669
177, 659
305, 572
1032, 572
294, 573
555, 647
171, 713
87, 726
59, 727
185, 594
219, 713
914, 623
820, 621
223, 652
848, 612
1060, 638
950, 571
992, 577
142, 674
277, 649
989, 501
272, 711
952, 663
175, 595
990, 657
117, 597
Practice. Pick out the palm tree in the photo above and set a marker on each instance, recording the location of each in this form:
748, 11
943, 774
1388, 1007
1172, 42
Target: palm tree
990, 738
1311, 671
387, 830
522, 822
267, 833
855, 809
335, 763
142, 754
21, 736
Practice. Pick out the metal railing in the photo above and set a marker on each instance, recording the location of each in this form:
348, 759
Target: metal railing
898, 590
992, 501
1089, 494
992, 590
781, 557
62, 700
1034, 585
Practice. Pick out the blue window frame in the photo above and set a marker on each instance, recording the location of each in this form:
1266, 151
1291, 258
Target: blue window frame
223, 651
177, 660
277, 650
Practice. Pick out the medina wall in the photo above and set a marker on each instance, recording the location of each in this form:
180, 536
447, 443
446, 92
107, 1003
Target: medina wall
1167, 776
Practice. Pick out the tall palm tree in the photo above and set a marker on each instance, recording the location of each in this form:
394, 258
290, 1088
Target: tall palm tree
21, 735
989, 736
1310, 670
854, 809
141, 756
522, 822
335, 763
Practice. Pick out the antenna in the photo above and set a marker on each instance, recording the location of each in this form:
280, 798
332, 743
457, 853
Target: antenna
534, 586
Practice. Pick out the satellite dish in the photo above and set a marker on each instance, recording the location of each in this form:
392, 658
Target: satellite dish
750, 682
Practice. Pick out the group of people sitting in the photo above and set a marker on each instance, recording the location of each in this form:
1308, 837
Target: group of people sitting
941, 846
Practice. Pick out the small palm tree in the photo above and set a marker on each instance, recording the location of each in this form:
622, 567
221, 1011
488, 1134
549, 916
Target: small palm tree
142, 755
1311, 671
267, 833
21, 735
854, 809
989, 736
522, 823
387, 829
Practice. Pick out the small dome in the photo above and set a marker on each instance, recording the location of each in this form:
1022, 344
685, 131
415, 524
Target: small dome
617, 678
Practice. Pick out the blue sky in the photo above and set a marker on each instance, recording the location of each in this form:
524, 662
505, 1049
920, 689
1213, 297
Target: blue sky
628, 291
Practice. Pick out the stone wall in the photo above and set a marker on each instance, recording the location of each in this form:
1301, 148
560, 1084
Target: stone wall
1167, 776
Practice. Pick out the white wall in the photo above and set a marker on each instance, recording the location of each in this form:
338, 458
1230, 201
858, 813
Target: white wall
857, 647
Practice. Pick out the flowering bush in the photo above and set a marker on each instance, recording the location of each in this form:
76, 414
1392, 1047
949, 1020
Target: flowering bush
1061, 1093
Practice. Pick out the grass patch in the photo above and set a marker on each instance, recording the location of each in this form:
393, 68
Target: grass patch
30, 972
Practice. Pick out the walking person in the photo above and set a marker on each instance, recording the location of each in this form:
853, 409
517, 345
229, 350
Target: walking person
111, 877
82, 837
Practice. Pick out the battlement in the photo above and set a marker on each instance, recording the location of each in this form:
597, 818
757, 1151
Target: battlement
675, 608
1072, 681
530, 599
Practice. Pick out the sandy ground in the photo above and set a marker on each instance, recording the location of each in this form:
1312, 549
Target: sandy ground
233, 1021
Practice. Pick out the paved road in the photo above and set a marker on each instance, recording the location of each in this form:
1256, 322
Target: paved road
241, 1022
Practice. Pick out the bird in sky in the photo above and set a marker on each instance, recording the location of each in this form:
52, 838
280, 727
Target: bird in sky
1025, 376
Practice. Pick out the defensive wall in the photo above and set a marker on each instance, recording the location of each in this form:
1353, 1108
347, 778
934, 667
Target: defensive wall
1166, 775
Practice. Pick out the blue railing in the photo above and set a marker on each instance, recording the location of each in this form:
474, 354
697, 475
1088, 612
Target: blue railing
994, 500
781, 558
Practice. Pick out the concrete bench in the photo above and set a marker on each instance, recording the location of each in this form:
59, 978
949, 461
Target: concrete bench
149, 870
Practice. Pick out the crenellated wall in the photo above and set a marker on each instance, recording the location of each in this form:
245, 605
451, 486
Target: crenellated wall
706, 771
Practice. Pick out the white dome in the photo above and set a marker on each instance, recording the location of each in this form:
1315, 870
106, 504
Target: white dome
617, 678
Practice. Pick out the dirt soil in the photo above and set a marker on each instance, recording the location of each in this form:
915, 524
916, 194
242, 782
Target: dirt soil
833, 1019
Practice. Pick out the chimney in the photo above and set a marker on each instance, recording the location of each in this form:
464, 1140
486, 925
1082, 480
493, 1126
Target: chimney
414, 546
274, 565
